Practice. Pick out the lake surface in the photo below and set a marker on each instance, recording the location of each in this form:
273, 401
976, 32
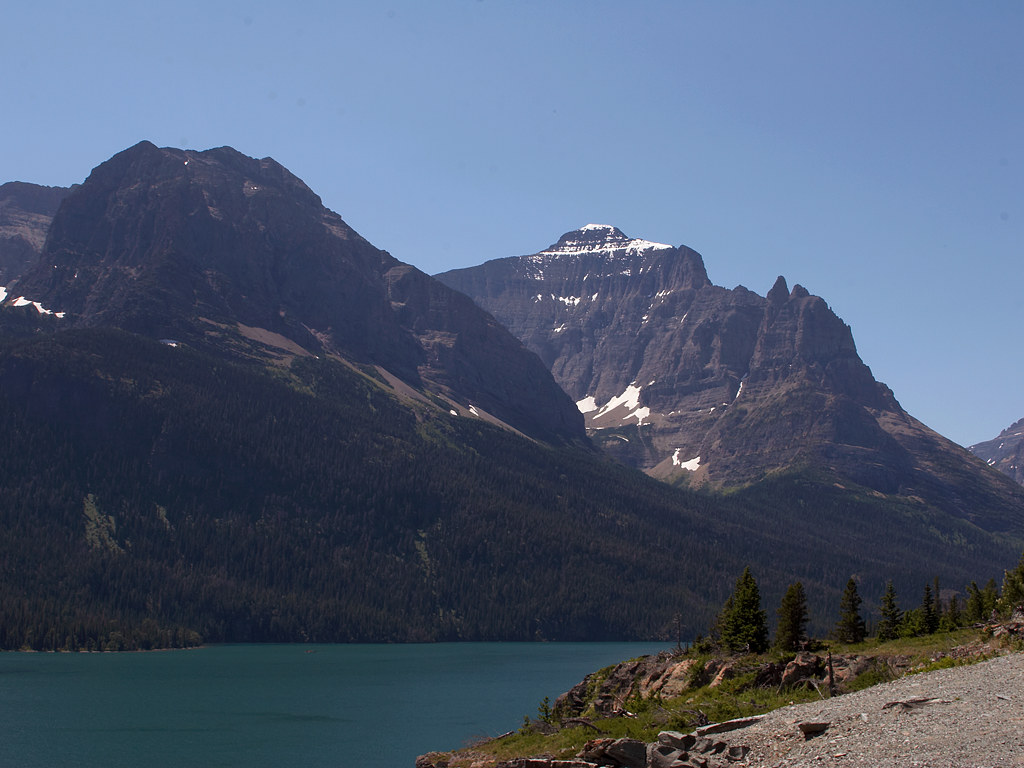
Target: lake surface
250, 706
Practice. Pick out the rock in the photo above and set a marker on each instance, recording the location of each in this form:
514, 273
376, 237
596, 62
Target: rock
848, 667
664, 756
769, 675
806, 666
669, 681
703, 745
677, 740
595, 750
810, 729
728, 725
631, 753
737, 753
432, 760
915, 703
723, 673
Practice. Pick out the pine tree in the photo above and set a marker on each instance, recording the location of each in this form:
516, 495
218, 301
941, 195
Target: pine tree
952, 617
892, 616
1013, 590
974, 610
792, 629
743, 623
851, 627
989, 598
929, 616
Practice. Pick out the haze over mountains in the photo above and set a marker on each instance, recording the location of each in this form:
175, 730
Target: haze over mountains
230, 417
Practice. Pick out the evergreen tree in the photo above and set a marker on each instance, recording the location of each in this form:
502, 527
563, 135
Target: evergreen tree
1013, 590
989, 598
974, 610
952, 617
929, 616
851, 627
792, 629
744, 624
892, 616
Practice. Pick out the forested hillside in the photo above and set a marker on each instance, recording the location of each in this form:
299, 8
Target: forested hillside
156, 495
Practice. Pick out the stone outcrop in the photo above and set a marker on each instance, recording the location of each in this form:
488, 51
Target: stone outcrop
668, 675
672, 750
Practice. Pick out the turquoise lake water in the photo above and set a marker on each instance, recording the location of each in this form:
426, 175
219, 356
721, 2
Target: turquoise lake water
256, 706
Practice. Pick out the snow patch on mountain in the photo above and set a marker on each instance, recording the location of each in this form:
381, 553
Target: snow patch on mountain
628, 401
630, 398
691, 464
640, 414
599, 238
21, 301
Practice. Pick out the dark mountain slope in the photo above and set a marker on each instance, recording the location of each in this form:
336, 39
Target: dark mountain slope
699, 384
26, 211
156, 494
1005, 452
215, 248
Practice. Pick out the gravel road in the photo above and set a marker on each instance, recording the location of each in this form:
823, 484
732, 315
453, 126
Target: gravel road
963, 717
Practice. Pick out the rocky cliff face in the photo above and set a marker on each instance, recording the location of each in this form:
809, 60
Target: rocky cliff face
697, 383
221, 249
26, 211
1006, 452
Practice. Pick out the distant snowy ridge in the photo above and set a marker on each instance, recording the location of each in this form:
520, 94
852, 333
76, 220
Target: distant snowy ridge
600, 238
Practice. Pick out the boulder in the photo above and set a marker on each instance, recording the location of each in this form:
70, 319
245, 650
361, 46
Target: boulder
630, 753
769, 675
664, 756
596, 750
725, 671
676, 740
806, 666
670, 680
846, 668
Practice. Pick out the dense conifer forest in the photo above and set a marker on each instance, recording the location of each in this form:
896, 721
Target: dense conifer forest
159, 496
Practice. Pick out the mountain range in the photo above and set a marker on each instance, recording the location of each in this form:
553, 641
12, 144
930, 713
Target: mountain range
707, 386
229, 417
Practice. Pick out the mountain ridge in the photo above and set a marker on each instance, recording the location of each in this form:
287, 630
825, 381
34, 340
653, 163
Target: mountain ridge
196, 246
703, 385
231, 418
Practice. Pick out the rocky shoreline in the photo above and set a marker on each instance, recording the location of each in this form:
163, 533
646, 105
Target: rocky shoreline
964, 716
961, 717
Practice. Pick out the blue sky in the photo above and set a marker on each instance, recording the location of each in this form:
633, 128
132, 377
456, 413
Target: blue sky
872, 152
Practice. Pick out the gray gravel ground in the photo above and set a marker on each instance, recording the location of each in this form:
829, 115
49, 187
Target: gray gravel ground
974, 719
